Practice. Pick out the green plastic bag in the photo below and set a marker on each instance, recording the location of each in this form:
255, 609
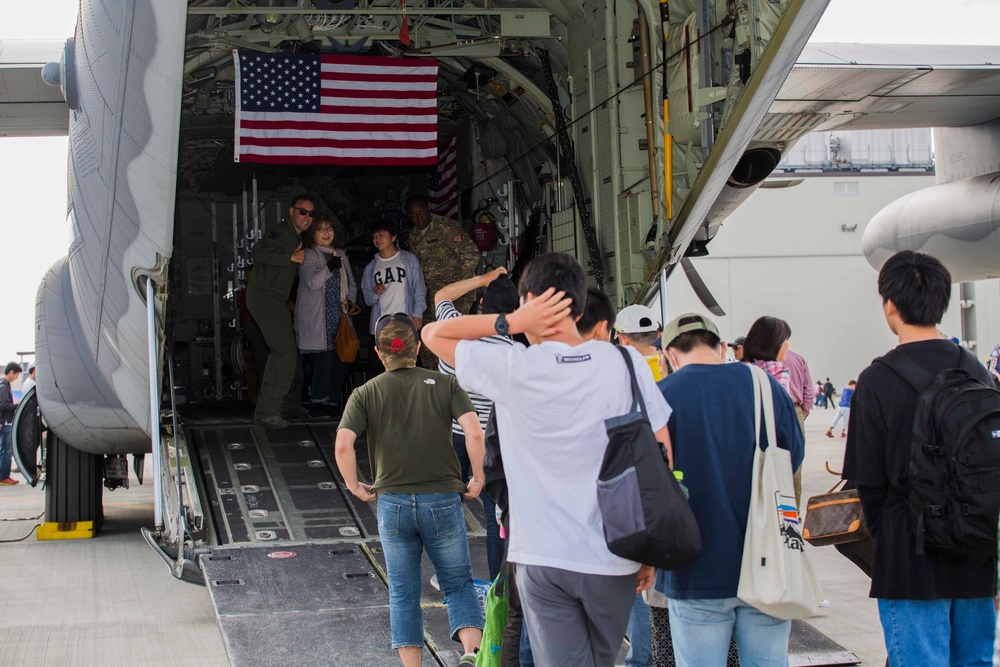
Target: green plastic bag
496, 620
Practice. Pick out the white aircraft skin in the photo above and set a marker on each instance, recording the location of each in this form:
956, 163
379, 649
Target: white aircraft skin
133, 61
125, 93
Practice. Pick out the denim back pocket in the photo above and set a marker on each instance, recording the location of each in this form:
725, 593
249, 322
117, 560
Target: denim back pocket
388, 518
621, 505
448, 521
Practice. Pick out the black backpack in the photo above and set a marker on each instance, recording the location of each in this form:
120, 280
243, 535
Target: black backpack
645, 513
953, 491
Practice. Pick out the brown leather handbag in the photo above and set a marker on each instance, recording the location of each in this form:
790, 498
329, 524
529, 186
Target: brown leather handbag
834, 517
346, 342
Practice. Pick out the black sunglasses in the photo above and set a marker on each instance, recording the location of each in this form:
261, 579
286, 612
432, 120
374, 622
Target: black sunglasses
402, 317
305, 212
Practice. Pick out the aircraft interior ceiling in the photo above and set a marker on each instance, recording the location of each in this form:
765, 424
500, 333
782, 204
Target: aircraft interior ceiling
468, 103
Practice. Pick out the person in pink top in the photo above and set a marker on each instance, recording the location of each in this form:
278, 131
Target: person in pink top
766, 345
803, 391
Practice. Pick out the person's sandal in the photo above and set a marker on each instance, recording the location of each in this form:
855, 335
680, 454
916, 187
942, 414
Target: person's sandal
468, 660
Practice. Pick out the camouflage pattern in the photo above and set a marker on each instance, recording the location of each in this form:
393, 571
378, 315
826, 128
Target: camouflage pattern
397, 342
447, 255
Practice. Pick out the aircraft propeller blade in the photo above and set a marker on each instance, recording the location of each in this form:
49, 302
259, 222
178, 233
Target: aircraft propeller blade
700, 288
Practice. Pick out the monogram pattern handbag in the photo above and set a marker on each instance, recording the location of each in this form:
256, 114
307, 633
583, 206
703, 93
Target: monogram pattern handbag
834, 517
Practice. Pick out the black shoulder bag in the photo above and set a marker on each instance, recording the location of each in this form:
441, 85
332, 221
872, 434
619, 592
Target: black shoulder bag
646, 515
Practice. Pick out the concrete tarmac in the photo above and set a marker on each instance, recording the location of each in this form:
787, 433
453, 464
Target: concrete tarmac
111, 601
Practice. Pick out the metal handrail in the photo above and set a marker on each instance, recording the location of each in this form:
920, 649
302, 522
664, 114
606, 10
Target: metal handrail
154, 406
181, 522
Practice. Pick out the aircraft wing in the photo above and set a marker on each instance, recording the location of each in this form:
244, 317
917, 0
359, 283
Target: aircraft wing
888, 86
28, 107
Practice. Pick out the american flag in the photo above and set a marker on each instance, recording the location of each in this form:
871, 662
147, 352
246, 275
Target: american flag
304, 108
442, 183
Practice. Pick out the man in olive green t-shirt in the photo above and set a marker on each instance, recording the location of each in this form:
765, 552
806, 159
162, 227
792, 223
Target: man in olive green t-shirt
407, 414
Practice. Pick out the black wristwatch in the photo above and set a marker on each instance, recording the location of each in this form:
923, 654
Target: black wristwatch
501, 325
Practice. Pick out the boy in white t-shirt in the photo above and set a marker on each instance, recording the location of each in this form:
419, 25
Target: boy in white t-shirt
393, 282
551, 402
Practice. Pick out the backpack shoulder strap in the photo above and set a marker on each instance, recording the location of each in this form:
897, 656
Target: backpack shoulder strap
969, 363
637, 401
903, 366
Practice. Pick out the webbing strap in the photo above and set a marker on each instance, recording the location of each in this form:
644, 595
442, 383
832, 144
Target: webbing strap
638, 404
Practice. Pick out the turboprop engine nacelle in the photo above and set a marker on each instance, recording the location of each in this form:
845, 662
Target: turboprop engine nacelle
958, 223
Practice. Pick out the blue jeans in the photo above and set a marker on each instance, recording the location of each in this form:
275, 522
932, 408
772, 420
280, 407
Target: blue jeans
700, 631
938, 632
843, 414
640, 652
494, 545
6, 450
527, 659
327, 377
408, 524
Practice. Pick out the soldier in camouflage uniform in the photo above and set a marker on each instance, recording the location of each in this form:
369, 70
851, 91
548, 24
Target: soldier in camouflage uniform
446, 254
276, 260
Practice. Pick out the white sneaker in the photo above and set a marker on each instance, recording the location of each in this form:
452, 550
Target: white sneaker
437, 586
824, 603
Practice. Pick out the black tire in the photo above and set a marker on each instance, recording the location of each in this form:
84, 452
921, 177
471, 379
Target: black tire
73, 484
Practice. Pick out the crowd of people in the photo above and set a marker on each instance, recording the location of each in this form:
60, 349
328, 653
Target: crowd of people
301, 292
510, 404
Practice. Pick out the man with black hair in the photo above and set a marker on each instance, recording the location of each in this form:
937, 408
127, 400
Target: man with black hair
7, 409
935, 610
393, 282
445, 251
29, 381
552, 400
714, 443
276, 260
598, 319
500, 297
737, 346
828, 393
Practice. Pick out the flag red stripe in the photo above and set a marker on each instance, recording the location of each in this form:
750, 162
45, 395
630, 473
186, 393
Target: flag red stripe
444, 200
383, 78
338, 143
331, 159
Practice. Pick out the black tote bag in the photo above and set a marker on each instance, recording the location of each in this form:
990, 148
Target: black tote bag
645, 513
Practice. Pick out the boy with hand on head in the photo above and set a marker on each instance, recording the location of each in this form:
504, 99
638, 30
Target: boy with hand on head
552, 400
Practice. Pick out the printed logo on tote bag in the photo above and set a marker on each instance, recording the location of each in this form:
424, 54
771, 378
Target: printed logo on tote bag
788, 518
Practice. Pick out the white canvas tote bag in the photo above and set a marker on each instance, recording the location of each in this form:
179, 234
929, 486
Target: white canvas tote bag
776, 577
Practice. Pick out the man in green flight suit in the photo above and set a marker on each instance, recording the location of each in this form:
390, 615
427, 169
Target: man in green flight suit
276, 260
446, 255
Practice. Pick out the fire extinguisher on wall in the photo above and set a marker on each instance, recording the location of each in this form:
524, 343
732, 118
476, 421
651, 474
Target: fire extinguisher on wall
484, 230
